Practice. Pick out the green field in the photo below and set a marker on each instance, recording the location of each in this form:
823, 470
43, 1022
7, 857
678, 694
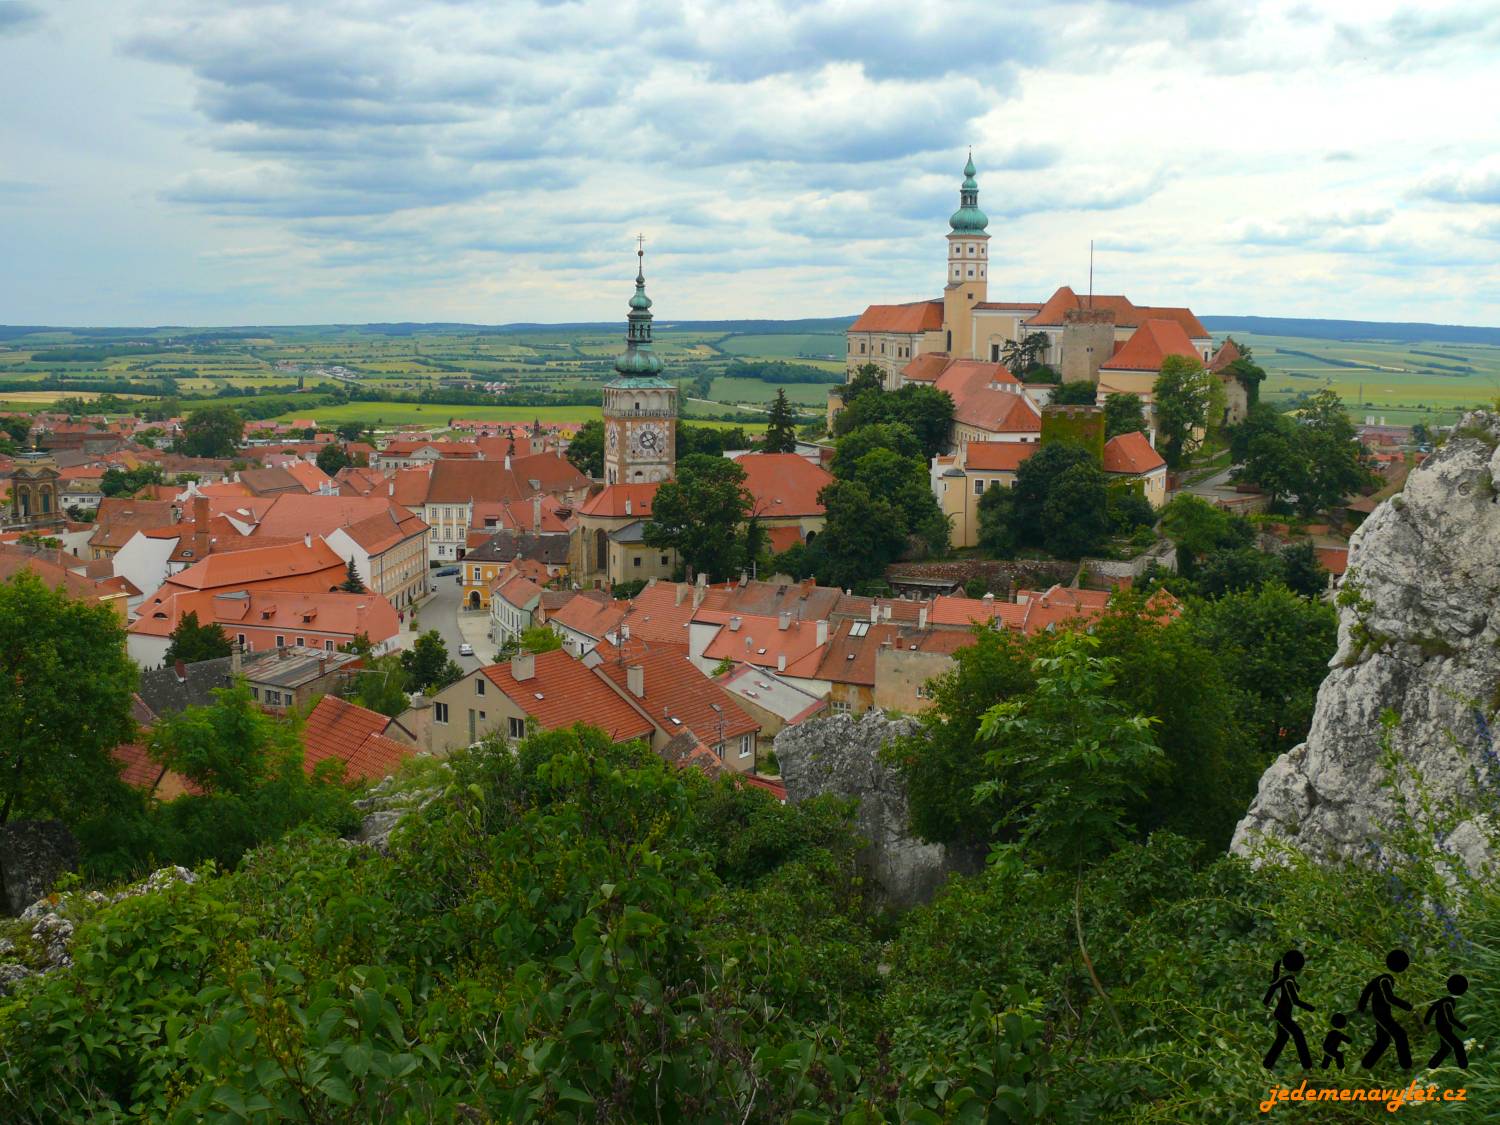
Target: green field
1403, 383
805, 345
391, 414
735, 390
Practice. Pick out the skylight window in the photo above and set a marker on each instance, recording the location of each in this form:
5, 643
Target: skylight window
859, 628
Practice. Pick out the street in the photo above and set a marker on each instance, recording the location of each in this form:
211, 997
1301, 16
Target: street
440, 612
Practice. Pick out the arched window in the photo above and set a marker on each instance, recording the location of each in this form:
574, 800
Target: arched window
601, 550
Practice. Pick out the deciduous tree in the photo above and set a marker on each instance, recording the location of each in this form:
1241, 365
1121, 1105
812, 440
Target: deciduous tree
586, 450
1123, 415
1185, 396
212, 431
700, 513
192, 642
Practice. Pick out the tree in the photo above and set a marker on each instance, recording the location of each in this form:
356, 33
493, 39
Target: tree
1023, 355
867, 377
1060, 501
895, 436
1198, 527
65, 704
586, 449
863, 534
192, 642
926, 411
1076, 393
539, 638
1249, 373
427, 665
353, 583
1185, 395
699, 515
1069, 760
1301, 571
18, 426
381, 685
1276, 464
781, 426
1335, 460
1123, 415
230, 746
1233, 569
127, 482
333, 457
903, 481
1128, 510
212, 431
351, 431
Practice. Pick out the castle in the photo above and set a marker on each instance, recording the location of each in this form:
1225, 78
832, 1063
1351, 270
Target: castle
956, 342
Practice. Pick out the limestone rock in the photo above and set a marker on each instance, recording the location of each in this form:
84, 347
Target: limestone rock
33, 853
838, 755
1425, 644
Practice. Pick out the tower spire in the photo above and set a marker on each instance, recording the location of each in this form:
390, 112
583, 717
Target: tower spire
638, 360
969, 219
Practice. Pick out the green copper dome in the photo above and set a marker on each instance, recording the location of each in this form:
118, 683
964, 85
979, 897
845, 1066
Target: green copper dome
969, 219
638, 365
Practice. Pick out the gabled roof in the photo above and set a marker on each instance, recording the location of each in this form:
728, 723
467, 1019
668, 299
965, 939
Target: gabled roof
354, 736
784, 484
674, 689
1151, 343
289, 611
612, 499
308, 475
762, 642
118, 519
592, 618
562, 692
926, 367
1126, 314
660, 613
1131, 453
918, 316
518, 590
998, 456
988, 397
970, 611
263, 482
550, 548
1228, 352
788, 702
264, 564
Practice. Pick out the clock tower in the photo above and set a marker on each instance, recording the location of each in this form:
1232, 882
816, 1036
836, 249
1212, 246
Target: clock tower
640, 407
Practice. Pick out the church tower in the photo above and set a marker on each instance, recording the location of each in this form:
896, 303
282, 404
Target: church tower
968, 268
640, 407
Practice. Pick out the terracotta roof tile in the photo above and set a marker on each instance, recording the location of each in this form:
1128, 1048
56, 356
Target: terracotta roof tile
918, 316
998, 456
612, 499
1131, 453
1150, 344
784, 484
354, 736
592, 618
562, 692
674, 689
661, 613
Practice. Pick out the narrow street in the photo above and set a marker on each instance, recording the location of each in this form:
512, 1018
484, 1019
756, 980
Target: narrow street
440, 612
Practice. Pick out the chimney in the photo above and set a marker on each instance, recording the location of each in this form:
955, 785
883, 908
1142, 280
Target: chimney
784, 622
734, 624
507, 461
523, 667
886, 611
702, 580
307, 539
988, 598
390, 489
823, 632
635, 680
781, 662
236, 660
922, 618
874, 612
744, 579
627, 507
807, 586
200, 514
322, 665
679, 593
536, 513
181, 670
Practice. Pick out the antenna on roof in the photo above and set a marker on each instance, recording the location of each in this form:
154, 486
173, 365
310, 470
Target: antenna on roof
1091, 273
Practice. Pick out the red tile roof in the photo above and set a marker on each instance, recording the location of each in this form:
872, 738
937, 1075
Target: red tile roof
784, 484
762, 642
1335, 560
288, 611
918, 316
612, 500
354, 736
660, 613
290, 514
1131, 453
1228, 352
970, 611
783, 538
118, 519
988, 397
1126, 313
1151, 343
674, 688
926, 367
998, 456
562, 692
411, 487
292, 566
592, 618
308, 475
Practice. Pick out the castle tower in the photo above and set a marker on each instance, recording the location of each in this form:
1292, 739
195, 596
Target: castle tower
640, 407
968, 268
34, 489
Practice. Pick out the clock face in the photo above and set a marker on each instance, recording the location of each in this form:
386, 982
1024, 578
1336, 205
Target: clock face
651, 438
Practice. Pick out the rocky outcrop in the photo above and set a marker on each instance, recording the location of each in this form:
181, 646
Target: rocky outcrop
1419, 635
42, 936
383, 809
33, 854
840, 755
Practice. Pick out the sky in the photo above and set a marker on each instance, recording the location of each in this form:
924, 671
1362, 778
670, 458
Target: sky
201, 162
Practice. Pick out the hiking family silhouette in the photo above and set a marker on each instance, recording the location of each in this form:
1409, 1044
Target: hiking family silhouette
1381, 1000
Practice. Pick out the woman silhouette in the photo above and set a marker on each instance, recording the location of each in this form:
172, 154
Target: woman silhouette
1284, 988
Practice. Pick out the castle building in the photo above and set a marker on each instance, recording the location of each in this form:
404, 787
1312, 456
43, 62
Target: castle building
956, 342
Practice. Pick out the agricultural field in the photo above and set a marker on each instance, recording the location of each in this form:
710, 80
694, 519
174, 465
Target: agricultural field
799, 345
1401, 382
757, 391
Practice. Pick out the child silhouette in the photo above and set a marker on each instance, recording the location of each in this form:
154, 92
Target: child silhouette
1441, 1013
1333, 1042
1380, 994
1284, 988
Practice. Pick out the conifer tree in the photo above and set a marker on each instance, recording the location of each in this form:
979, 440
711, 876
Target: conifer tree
781, 427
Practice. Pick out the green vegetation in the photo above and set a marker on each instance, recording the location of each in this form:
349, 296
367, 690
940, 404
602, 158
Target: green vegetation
427, 665
1188, 401
191, 642
700, 514
1313, 457
1059, 502
213, 431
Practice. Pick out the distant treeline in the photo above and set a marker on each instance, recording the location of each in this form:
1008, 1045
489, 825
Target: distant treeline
96, 354
779, 371
1327, 359
100, 386
1403, 332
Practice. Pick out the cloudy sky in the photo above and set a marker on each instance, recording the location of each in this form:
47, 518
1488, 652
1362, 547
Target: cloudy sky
217, 162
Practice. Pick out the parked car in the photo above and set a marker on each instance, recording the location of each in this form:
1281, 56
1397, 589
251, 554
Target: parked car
443, 572
466, 649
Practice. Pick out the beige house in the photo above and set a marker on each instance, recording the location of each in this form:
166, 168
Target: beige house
959, 482
608, 543
1131, 457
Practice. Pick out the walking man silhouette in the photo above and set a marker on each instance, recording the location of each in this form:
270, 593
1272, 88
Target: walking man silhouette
1441, 1013
1380, 995
1284, 988
1333, 1042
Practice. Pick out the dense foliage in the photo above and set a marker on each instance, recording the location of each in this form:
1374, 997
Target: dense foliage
212, 431
1189, 400
701, 514
1313, 459
926, 411
1059, 502
190, 641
